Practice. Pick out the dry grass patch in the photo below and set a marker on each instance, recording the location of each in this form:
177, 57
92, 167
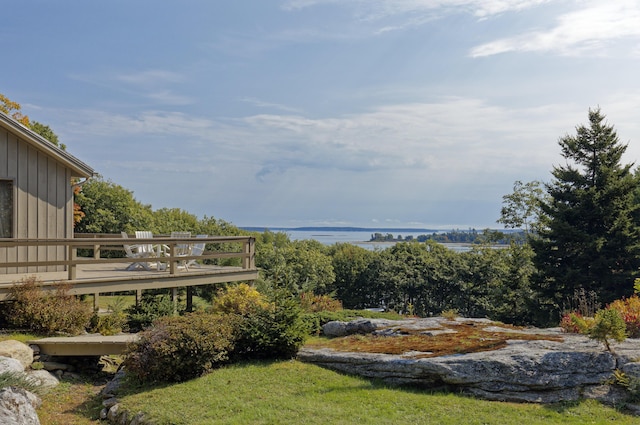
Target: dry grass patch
462, 338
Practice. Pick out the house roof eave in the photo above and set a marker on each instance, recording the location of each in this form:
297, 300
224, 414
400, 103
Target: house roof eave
77, 167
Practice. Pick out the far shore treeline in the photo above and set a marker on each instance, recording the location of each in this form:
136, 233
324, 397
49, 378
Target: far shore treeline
574, 238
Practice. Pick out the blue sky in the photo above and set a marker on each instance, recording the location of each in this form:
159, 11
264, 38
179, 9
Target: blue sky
373, 113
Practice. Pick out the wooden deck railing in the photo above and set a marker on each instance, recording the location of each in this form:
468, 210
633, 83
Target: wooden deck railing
242, 247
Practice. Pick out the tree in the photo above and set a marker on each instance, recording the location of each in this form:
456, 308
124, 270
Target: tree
591, 233
521, 209
13, 109
110, 208
349, 264
46, 132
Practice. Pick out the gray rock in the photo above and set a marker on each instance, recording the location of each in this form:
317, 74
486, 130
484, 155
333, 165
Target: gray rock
334, 328
111, 389
53, 366
18, 407
110, 402
541, 371
42, 378
10, 365
337, 328
113, 413
17, 350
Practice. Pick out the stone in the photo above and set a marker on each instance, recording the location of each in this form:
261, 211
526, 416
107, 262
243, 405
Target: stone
335, 328
18, 407
52, 366
338, 328
42, 378
110, 402
17, 350
10, 365
540, 371
113, 413
111, 389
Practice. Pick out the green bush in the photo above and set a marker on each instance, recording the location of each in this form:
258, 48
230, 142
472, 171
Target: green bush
112, 322
312, 303
574, 322
241, 299
46, 312
176, 349
608, 324
274, 331
150, 308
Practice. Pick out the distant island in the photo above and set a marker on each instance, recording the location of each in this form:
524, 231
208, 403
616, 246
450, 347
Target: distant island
393, 234
337, 229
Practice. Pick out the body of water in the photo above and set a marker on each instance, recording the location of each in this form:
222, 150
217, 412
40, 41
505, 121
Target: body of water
358, 238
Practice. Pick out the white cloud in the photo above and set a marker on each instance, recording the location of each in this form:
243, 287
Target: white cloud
379, 9
150, 77
262, 104
592, 29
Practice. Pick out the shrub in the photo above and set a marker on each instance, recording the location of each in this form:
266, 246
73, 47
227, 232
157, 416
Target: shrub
47, 312
241, 299
574, 322
450, 314
150, 308
312, 303
111, 323
629, 309
176, 349
274, 331
608, 324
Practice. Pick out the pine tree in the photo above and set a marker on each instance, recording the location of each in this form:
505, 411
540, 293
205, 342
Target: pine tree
591, 233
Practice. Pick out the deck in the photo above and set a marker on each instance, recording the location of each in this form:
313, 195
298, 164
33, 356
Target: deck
95, 275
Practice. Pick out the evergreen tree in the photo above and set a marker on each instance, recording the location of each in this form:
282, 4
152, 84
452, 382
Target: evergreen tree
591, 234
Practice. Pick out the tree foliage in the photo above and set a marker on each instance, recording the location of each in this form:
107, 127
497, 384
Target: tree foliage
521, 209
110, 208
590, 237
13, 109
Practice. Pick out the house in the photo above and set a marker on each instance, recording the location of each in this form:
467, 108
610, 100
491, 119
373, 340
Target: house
36, 194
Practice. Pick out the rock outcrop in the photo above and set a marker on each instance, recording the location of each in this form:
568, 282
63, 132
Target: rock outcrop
18, 407
542, 371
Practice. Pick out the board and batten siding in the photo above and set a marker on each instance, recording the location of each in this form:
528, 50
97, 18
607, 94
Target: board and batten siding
42, 201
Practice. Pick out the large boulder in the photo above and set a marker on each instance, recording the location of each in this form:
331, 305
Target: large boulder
17, 350
42, 378
9, 365
18, 407
543, 371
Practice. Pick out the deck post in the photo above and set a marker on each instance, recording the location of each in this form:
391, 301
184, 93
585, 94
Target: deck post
250, 252
174, 298
71, 268
189, 299
96, 302
138, 296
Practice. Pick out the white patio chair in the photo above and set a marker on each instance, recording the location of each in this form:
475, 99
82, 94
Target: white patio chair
182, 249
132, 251
152, 250
196, 249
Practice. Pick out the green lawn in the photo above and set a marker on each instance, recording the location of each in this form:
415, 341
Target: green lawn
290, 392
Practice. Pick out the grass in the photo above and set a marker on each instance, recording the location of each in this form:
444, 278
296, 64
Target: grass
294, 392
72, 403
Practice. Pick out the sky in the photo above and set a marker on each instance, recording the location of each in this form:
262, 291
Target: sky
290, 113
